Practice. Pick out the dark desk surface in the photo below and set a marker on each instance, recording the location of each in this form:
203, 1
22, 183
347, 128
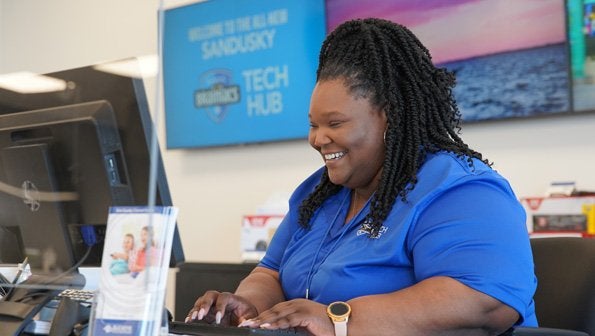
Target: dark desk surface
193, 279
204, 329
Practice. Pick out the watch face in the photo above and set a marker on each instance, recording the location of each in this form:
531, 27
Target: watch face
339, 309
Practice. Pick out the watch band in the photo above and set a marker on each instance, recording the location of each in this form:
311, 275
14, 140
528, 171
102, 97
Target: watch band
340, 328
339, 313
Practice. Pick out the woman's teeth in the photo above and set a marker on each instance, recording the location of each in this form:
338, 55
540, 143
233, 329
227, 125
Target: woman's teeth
334, 156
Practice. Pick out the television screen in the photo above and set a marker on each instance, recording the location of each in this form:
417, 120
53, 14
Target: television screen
581, 38
239, 72
510, 57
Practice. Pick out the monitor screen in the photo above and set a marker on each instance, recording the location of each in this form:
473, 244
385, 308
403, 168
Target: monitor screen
510, 57
88, 145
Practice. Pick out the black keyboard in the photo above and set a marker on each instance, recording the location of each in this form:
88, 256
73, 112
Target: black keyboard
204, 329
82, 295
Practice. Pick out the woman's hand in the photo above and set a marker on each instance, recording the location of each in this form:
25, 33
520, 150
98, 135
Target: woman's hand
296, 313
221, 308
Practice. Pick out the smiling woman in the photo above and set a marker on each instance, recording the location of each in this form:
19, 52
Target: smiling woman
405, 226
349, 132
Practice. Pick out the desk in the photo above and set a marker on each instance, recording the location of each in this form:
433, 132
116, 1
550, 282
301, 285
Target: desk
193, 279
18, 314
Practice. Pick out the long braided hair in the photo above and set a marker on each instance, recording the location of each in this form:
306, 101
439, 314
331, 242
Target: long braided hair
386, 63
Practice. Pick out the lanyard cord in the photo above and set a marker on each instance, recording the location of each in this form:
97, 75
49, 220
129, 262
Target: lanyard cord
345, 228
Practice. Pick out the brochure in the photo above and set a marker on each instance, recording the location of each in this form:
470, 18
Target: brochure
134, 271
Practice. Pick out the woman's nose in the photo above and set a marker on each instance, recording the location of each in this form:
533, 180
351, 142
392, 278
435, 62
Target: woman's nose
319, 137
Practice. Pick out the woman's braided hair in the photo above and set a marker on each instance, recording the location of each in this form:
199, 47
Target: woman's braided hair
384, 62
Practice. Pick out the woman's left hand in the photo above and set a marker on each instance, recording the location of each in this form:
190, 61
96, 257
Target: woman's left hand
297, 313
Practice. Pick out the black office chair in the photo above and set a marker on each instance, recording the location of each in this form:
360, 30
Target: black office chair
565, 296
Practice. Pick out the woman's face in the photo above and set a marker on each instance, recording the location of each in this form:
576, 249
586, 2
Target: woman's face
348, 132
128, 243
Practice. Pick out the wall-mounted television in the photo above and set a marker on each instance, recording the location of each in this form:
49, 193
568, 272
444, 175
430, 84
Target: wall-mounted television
239, 72
581, 41
512, 58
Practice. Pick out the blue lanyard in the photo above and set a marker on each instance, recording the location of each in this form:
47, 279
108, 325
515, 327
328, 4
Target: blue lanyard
346, 226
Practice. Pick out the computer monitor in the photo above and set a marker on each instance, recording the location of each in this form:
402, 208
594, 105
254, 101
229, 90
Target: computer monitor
68, 167
90, 143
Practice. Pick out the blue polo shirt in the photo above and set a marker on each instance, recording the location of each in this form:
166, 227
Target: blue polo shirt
459, 221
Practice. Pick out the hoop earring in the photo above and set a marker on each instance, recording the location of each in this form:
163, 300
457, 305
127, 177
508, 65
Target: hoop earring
384, 138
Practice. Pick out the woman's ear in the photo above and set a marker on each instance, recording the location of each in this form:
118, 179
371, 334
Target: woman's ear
385, 121
384, 114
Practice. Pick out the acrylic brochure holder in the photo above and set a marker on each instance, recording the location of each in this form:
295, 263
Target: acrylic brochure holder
134, 268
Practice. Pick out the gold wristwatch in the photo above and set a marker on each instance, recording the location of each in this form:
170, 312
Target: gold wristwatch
339, 313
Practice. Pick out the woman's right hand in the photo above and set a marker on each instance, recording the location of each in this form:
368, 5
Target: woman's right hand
221, 308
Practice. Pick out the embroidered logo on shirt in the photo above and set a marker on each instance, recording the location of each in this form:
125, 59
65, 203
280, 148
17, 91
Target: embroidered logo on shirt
366, 229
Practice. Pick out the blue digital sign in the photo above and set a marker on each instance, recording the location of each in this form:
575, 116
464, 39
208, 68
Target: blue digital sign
240, 71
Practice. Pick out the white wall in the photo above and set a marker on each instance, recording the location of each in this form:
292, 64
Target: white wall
534, 152
215, 187
60, 34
